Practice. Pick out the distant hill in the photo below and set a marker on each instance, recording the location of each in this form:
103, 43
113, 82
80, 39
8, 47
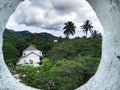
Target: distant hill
25, 34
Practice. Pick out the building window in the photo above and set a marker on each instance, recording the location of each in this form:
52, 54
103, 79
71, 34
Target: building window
31, 61
25, 62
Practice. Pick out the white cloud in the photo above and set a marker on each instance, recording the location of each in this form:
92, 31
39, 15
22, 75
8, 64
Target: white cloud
50, 15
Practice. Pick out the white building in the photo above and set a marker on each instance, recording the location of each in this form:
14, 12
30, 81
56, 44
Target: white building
31, 56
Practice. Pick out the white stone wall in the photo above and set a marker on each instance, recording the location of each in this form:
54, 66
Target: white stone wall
31, 55
7, 81
35, 58
107, 76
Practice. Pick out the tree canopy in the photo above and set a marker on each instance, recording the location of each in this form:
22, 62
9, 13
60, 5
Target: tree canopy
69, 29
87, 26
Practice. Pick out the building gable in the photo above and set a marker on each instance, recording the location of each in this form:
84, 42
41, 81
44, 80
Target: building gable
30, 54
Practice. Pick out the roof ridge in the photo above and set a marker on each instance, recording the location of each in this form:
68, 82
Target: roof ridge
30, 48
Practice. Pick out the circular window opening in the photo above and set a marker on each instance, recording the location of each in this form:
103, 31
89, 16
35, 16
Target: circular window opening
70, 58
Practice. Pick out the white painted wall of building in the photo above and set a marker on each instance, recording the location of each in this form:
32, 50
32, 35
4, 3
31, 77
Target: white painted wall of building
32, 57
29, 56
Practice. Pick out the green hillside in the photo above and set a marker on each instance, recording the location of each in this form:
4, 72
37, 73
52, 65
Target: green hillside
27, 34
67, 64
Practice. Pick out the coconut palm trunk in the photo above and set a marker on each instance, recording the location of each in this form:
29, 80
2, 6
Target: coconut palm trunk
107, 76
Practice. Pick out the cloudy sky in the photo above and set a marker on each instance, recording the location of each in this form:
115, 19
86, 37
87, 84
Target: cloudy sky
50, 16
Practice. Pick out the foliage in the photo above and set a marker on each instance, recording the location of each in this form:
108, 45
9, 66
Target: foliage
95, 34
11, 54
69, 29
44, 45
27, 34
36, 76
64, 75
87, 26
77, 46
69, 63
18, 42
23, 39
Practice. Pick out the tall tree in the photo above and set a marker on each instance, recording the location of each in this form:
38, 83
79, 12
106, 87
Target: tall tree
87, 26
69, 29
11, 54
95, 34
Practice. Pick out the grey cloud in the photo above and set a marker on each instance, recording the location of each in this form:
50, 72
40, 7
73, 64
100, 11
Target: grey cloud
65, 5
43, 4
52, 14
52, 27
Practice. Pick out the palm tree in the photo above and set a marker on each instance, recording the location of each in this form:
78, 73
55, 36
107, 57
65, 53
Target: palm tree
69, 28
94, 34
87, 26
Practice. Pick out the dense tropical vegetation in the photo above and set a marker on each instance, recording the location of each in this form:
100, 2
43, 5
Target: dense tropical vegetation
67, 64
